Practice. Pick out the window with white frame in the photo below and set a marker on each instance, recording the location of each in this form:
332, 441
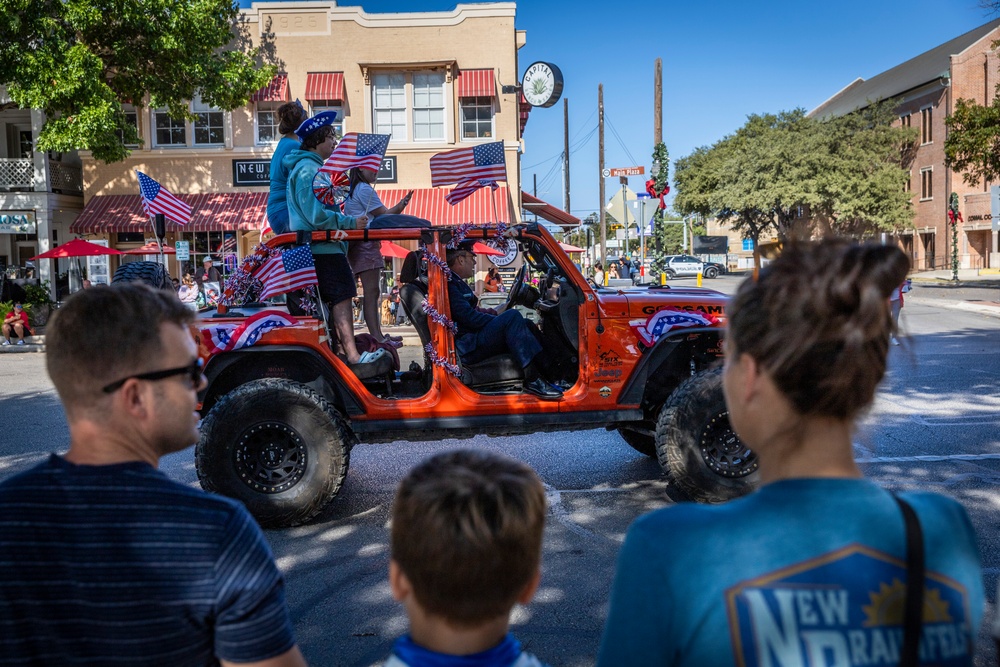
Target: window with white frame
131, 118
267, 122
927, 183
477, 117
209, 124
389, 105
319, 106
168, 131
428, 106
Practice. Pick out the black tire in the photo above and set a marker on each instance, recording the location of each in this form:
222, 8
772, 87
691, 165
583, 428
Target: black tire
711, 272
697, 446
150, 273
278, 447
644, 443
671, 274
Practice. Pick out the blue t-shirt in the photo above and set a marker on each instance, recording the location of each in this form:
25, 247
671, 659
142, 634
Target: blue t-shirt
119, 565
277, 198
802, 572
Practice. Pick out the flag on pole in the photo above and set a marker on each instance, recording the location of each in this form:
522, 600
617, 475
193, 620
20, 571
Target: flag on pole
291, 270
156, 199
357, 150
484, 162
463, 190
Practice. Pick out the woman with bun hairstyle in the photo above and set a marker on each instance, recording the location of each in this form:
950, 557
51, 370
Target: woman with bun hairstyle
811, 569
290, 116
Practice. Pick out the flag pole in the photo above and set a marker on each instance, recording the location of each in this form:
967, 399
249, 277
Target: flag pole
493, 198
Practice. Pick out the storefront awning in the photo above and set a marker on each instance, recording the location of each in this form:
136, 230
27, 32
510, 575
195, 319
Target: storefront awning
476, 83
523, 109
430, 204
221, 211
324, 86
276, 91
547, 211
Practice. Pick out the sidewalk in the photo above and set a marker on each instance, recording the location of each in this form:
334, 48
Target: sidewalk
966, 278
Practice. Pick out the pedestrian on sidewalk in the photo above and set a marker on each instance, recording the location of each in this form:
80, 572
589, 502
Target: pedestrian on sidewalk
16, 321
896, 303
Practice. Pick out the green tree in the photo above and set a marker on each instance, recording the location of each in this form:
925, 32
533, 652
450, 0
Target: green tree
79, 60
972, 143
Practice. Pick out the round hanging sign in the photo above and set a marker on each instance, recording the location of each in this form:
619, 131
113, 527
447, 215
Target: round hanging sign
509, 249
542, 84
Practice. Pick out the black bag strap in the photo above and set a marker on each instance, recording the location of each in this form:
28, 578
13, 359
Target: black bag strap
913, 608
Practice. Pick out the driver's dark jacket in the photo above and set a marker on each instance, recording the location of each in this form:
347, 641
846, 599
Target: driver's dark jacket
465, 314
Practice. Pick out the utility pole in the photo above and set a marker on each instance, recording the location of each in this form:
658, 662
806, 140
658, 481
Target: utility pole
534, 191
658, 103
566, 153
600, 174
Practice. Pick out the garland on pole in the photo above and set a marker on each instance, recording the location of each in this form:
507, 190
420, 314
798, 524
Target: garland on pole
954, 217
658, 186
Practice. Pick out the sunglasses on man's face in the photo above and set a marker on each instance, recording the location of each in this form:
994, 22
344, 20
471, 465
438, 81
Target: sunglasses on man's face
193, 370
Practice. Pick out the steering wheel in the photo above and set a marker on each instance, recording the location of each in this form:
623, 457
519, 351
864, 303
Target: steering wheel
517, 287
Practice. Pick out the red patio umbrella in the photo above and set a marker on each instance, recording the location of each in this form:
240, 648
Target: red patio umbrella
150, 249
483, 249
390, 249
77, 248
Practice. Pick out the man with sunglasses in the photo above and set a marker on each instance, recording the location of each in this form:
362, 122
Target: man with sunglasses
104, 559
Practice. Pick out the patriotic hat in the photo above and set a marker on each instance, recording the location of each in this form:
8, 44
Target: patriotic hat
310, 125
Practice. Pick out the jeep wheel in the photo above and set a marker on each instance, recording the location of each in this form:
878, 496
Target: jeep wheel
276, 446
698, 448
711, 272
640, 440
150, 273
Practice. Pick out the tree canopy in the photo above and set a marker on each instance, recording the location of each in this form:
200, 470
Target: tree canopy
972, 145
849, 172
79, 60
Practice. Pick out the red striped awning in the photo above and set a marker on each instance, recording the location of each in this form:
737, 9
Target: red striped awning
523, 109
476, 83
430, 204
221, 211
276, 91
547, 211
324, 86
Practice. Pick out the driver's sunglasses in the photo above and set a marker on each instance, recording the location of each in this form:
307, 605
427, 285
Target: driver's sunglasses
193, 371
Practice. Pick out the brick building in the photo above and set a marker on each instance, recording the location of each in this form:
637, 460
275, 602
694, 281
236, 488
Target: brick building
434, 80
927, 88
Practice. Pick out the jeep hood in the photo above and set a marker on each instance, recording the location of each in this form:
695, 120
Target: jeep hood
645, 302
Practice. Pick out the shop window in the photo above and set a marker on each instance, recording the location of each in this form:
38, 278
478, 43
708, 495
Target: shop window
168, 131
222, 247
428, 106
477, 117
209, 129
267, 123
131, 237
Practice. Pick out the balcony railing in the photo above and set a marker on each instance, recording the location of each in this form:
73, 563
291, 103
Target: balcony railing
18, 175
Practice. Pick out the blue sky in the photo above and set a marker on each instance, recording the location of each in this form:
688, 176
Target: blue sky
722, 61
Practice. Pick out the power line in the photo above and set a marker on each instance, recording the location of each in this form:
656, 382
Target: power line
620, 142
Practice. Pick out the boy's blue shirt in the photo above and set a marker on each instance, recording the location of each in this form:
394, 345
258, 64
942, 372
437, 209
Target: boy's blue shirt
407, 653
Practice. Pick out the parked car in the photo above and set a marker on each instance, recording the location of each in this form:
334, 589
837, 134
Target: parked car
688, 265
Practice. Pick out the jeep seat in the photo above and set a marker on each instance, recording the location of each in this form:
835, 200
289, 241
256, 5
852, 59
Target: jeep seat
497, 372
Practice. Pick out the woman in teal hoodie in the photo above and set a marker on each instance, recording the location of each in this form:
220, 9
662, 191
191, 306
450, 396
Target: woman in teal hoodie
290, 116
307, 213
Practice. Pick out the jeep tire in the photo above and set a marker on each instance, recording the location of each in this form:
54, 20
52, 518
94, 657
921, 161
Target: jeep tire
697, 446
278, 447
149, 273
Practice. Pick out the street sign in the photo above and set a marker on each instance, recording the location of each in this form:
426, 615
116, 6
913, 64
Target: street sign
183, 249
643, 209
627, 171
606, 173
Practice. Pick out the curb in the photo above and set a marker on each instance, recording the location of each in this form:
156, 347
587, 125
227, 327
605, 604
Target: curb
981, 307
22, 349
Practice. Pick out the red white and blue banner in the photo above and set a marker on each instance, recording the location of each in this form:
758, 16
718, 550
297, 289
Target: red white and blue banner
662, 321
228, 337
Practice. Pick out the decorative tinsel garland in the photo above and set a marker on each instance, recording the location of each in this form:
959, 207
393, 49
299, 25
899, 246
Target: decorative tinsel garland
241, 287
439, 317
438, 360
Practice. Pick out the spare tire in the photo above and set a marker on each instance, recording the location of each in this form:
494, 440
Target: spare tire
151, 273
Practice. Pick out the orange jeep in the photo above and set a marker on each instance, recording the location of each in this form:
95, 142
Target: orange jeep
282, 411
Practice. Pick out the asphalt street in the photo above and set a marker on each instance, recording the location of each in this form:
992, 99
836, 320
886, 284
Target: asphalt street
935, 426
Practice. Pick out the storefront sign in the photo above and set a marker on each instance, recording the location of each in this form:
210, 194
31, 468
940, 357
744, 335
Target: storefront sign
387, 173
17, 222
251, 173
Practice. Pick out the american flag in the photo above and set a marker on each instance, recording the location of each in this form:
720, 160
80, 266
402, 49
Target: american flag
156, 199
484, 162
463, 190
357, 150
228, 244
226, 337
291, 270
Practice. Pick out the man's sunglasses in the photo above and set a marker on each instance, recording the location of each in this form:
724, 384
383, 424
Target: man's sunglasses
193, 370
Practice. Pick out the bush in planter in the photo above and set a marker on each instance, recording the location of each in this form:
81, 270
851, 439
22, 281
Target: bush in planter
37, 303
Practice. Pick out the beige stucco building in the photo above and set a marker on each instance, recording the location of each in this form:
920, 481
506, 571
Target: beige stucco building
435, 81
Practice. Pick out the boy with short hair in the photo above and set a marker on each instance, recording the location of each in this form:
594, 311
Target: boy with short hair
466, 546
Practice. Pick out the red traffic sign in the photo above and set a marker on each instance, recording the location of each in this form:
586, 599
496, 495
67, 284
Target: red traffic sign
628, 171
